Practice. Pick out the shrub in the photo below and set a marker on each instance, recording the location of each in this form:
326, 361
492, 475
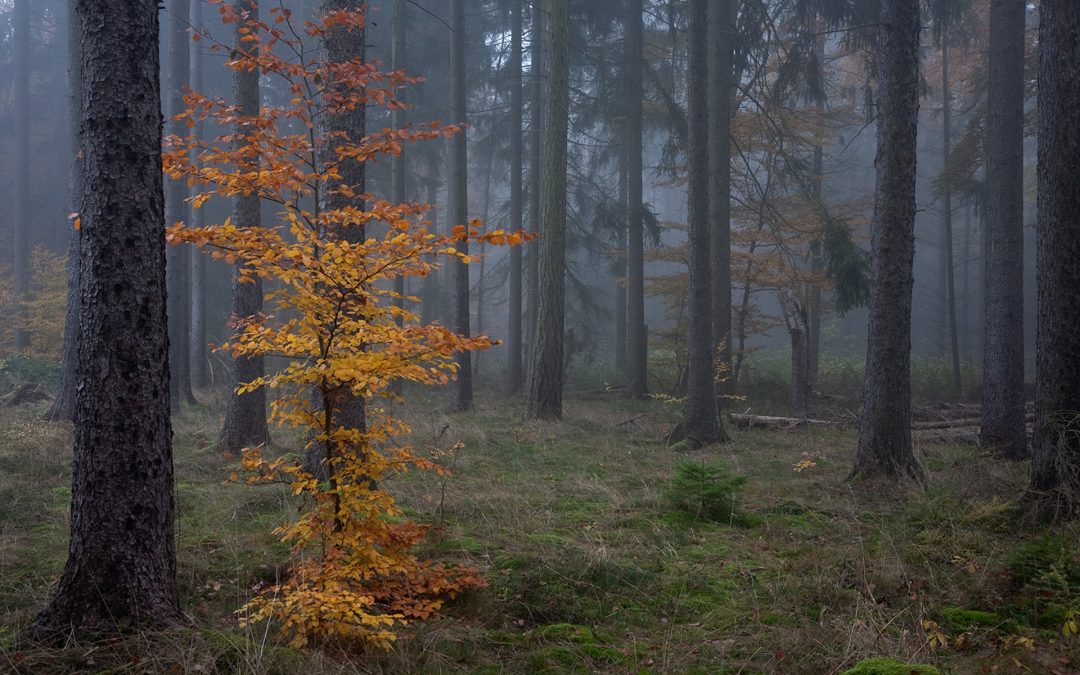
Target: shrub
705, 491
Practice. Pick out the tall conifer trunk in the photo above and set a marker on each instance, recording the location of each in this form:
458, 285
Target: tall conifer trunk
176, 210
458, 200
1002, 425
20, 249
245, 414
721, 44
546, 385
637, 341
514, 368
885, 419
63, 406
701, 424
121, 567
1055, 479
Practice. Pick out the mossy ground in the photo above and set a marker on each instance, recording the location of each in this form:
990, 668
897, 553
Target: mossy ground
590, 568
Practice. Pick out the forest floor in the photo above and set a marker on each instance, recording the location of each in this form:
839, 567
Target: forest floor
591, 568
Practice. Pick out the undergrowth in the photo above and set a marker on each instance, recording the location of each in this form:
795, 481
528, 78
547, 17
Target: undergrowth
590, 567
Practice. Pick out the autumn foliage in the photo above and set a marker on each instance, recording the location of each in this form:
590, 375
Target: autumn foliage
335, 320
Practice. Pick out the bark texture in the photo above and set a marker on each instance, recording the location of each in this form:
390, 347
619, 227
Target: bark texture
1003, 352
1055, 480
636, 340
245, 414
121, 567
458, 198
701, 424
515, 372
721, 44
63, 406
176, 210
546, 386
885, 419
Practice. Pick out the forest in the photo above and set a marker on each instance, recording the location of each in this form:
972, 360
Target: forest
540, 336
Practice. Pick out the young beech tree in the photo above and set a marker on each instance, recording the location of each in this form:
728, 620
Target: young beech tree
337, 323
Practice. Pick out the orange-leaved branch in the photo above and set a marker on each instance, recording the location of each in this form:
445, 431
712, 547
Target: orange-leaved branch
334, 320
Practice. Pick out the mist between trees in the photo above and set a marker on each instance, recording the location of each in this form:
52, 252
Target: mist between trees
316, 247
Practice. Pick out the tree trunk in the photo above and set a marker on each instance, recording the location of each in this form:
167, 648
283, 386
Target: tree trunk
199, 361
721, 42
795, 319
621, 268
947, 221
813, 305
1003, 353
1055, 478
536, 168
121, 567
176, 210
21, 241
339, 45
546, 386
63, 406
245, 414
637, 341
885, 420
458, 200
397, 121
701, 424
514, 366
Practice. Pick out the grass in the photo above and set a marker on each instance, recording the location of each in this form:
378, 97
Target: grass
591, 567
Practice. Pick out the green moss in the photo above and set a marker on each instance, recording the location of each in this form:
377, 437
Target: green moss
568, 632
960, 620
884, 665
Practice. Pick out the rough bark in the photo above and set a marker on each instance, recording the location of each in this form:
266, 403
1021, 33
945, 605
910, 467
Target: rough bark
796, 321
701, 423
63, 406
515, 372
121, 567
721, 44
637, 360
546, 385
885, 420
458, 200
20, 249
245, 414
198, 350
538, 76
813, 303
1055, 478
1003, 352
176, 210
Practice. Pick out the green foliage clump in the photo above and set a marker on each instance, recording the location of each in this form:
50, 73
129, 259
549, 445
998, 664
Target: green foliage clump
705, 491
960, 620
1046, 577
884, 665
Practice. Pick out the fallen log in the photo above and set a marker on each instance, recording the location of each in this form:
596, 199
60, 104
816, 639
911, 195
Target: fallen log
783, 423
